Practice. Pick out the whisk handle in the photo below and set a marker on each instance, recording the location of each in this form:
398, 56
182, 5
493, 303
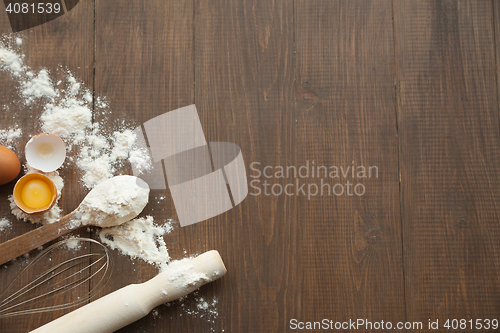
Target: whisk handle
24, 243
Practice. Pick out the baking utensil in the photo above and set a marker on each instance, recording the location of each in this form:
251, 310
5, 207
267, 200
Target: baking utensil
46, 233
51, 277
131, 303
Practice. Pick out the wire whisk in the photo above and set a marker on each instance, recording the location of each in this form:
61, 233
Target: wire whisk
45, 281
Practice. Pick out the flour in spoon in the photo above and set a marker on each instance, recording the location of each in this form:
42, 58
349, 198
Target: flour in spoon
114, 202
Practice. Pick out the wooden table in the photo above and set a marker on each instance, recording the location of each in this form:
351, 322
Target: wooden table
410, 87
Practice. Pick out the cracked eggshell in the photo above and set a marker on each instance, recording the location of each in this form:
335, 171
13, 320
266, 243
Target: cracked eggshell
45, 152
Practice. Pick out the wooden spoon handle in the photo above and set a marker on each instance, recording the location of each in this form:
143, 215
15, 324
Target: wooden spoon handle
20, 245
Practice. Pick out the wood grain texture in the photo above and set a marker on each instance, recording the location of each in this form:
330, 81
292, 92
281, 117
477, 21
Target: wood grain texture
144, 67
351, 262
408, 87
244, 93
64, 43
496, 22
33, 239
449, 135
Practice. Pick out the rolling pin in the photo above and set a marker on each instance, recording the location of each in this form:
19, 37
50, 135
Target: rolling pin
131, 303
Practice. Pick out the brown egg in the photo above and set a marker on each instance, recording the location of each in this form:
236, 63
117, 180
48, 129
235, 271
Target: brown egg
9, 165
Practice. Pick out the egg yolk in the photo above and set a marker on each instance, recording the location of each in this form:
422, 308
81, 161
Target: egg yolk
36, 194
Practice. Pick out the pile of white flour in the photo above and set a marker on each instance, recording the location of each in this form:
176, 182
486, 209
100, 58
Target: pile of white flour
140, 238
66, 110
10, 137
4, 224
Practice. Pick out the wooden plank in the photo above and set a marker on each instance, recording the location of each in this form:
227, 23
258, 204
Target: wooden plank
496, 21
144, 67
244, 93
350, 244
66, 42
449, 134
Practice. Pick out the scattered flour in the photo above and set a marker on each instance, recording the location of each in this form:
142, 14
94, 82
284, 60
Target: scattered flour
101, 102
140, 238
195, 306
9, 138
67, 112
73, 244
69, 119
37, 87
4, 224
74, 85
100, 156
168, 226
122, 143
198, 306
181, 274
45, 218
97, 169
207, 307
88, 97
140, 159
11, 61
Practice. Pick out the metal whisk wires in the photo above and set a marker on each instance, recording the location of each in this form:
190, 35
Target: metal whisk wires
49, 283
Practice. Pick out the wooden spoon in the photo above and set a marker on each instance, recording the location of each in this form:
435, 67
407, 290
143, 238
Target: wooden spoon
46, 233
